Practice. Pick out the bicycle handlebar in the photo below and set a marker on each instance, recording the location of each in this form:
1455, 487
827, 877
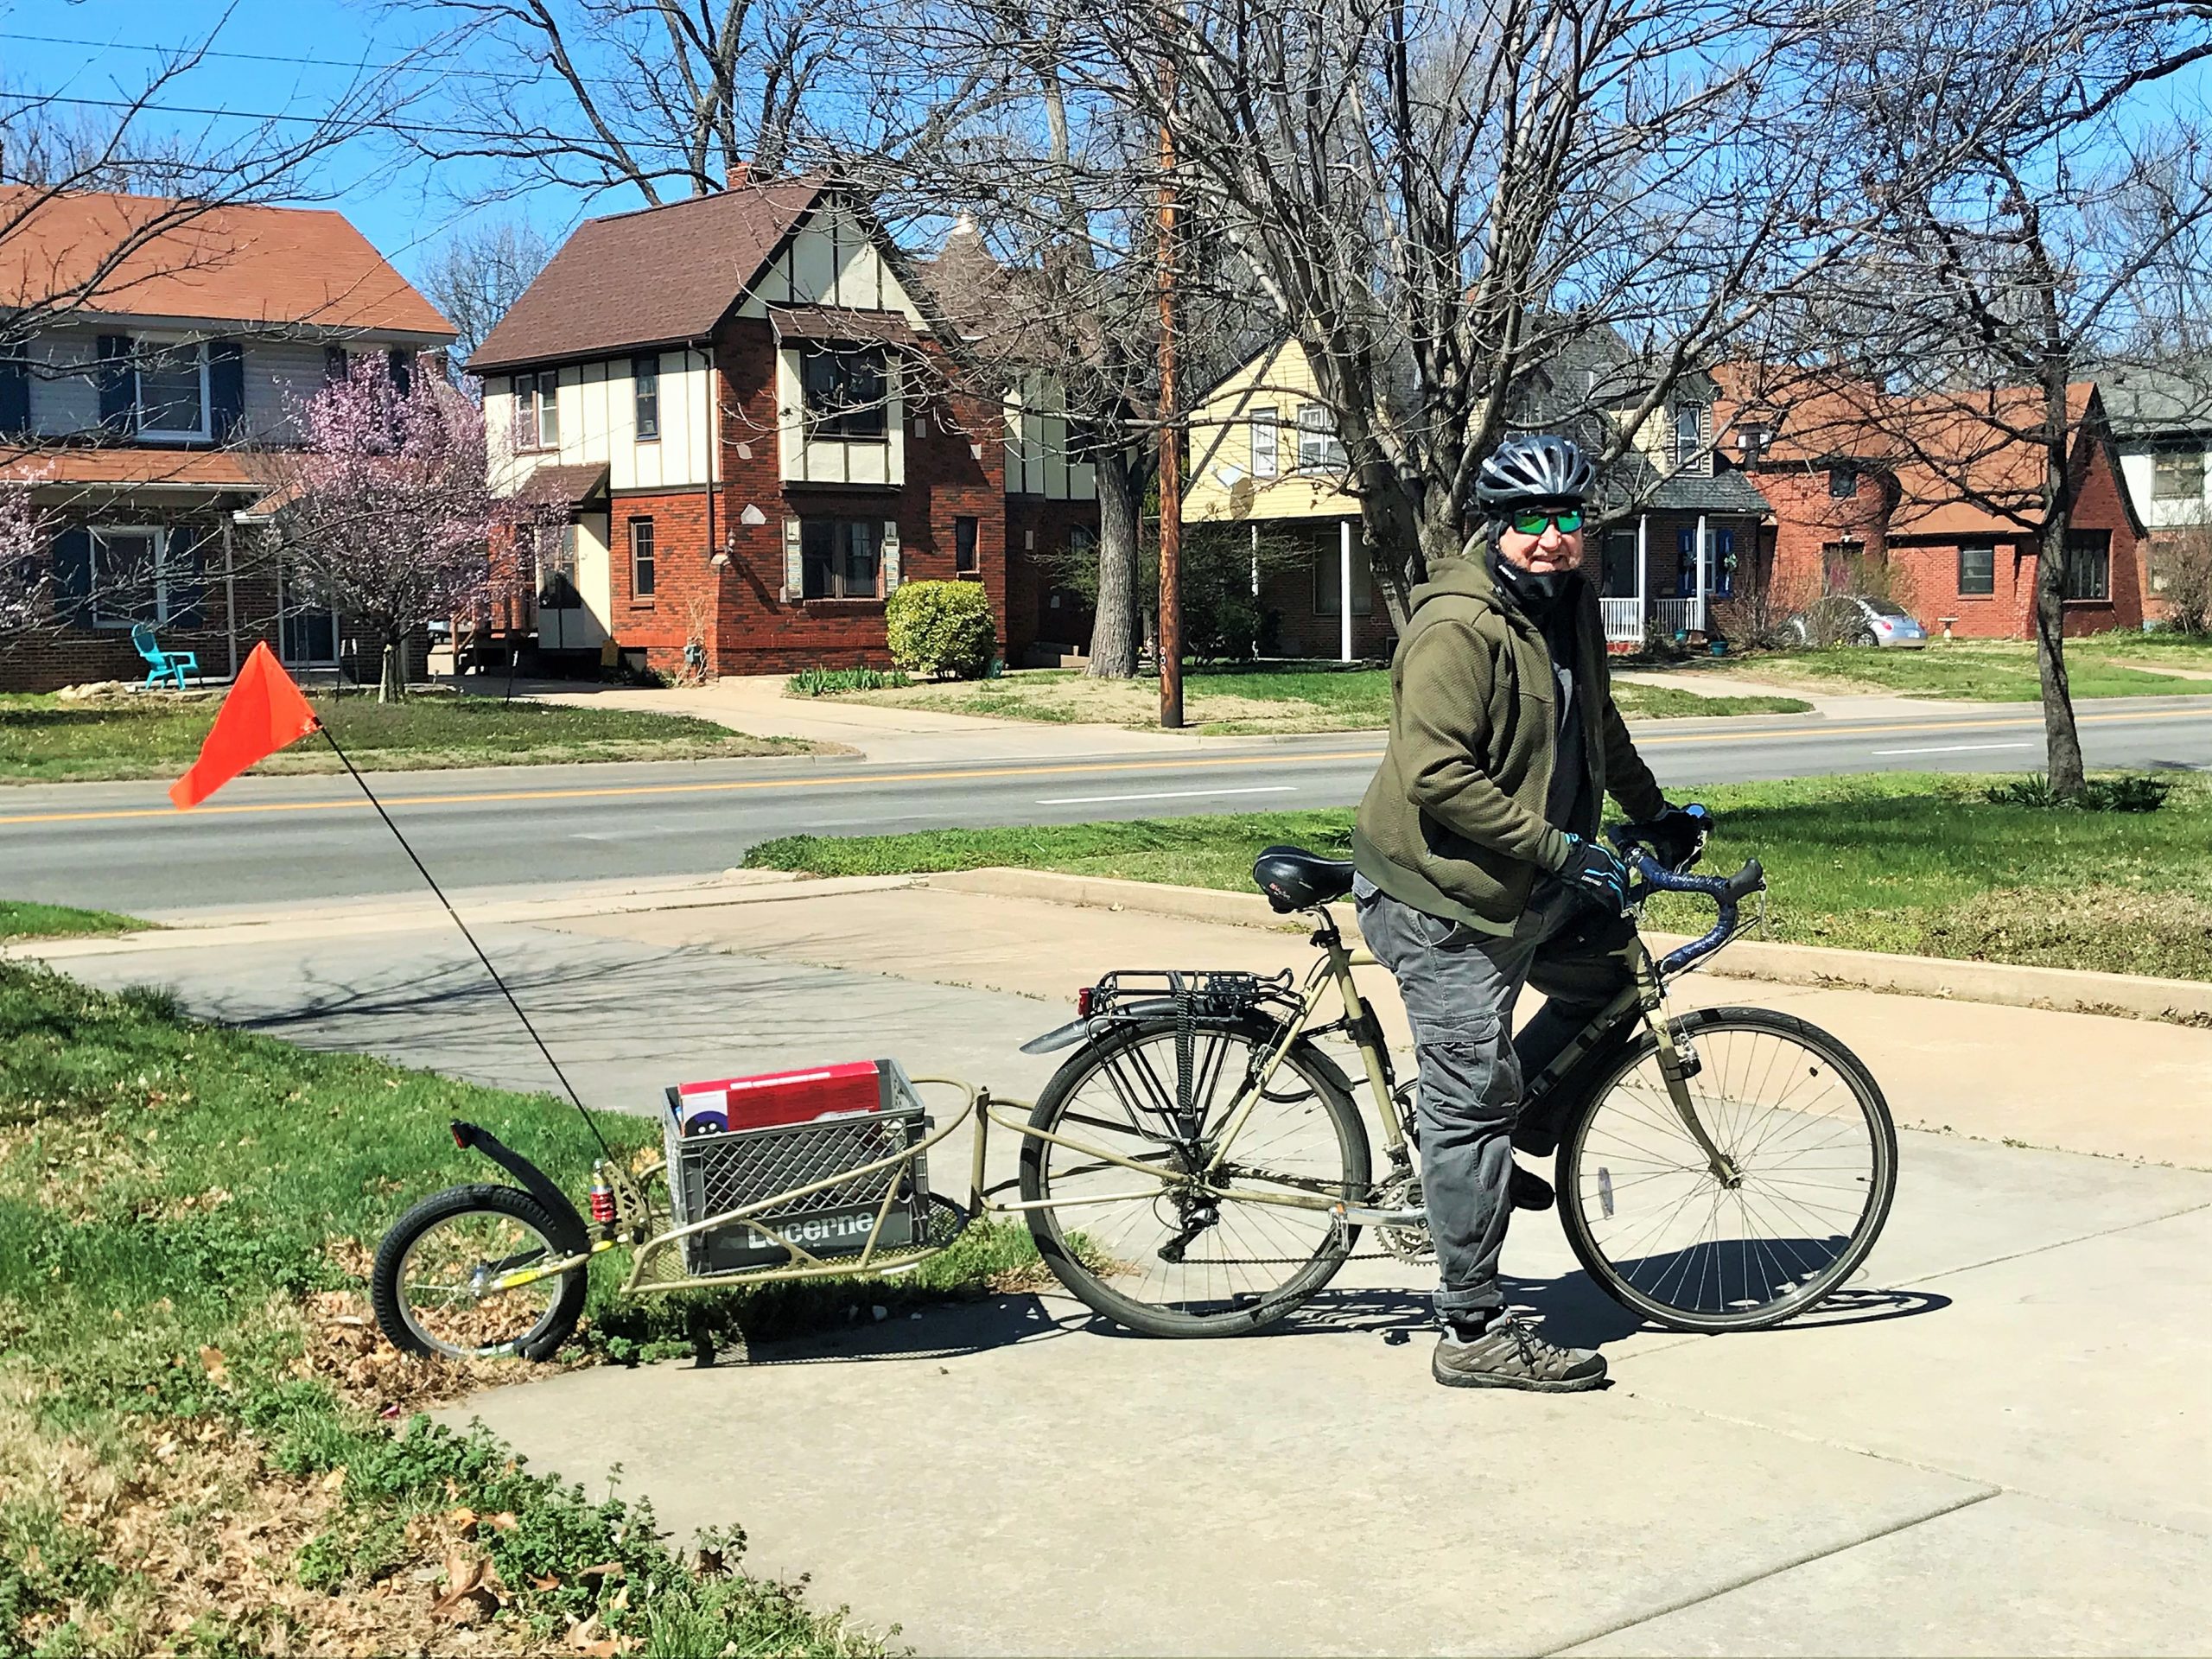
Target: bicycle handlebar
1728, 892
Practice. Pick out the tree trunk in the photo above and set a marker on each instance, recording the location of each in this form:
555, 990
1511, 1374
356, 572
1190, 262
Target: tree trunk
392, 686
2062, 738
1113, 631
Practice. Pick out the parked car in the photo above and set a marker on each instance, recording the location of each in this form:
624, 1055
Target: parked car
1855, 620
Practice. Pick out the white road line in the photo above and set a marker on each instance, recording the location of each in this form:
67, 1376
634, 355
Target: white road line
1955, 748
1168, 795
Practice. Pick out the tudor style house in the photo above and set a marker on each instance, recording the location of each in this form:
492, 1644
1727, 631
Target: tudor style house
1672, 521
2161, 419
1931, 501
732, 427
133, 393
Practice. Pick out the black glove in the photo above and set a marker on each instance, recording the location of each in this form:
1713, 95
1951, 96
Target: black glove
1676, 836
1595, 876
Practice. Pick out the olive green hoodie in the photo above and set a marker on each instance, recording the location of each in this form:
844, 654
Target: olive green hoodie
1453, 824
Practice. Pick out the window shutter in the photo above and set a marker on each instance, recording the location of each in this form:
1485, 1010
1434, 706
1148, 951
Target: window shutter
226, 388
890, 556
186, 580
14, 392
113, 378
72, 573
794, 562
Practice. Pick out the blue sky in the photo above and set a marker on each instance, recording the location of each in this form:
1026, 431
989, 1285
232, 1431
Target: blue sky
404, 208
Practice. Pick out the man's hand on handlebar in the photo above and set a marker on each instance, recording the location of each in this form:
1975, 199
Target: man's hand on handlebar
1594, 875
1675, 838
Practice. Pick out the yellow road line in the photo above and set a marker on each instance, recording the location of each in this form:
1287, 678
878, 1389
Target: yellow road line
1178, 763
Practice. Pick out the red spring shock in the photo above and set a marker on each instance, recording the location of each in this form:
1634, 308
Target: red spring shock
603, 1197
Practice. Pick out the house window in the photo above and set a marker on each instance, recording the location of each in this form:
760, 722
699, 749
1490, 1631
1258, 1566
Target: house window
1618, 571
641, 558
1319, 451
1977, 569
2178, 475
845, 391
1264, 463
336, 365
1843, 567
144, 574
842, 557
2088, 565
1328, 582
963, 547
173, 391
1688, 435
645, 378
537, 410
1843, 482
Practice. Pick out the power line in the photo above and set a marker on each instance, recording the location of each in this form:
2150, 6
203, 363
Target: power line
401, 66
366, 123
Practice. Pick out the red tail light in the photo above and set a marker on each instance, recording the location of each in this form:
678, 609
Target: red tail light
1083, 1001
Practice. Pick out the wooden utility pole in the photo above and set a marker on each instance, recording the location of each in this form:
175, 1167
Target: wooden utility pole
1170, 643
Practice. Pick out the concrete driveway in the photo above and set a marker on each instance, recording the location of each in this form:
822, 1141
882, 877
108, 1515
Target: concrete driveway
1996, 1441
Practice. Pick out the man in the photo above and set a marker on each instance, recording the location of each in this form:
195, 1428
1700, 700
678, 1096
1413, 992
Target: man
1479, 869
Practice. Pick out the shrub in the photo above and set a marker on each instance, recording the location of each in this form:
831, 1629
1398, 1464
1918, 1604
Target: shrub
828, 682
2136, 792
942, 628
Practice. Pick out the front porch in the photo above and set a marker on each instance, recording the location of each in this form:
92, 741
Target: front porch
1664, 573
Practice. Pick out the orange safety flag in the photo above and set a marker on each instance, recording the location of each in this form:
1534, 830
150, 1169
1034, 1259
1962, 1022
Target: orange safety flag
264, 712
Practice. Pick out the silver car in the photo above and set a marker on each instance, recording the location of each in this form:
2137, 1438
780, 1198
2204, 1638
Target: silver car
1856, 620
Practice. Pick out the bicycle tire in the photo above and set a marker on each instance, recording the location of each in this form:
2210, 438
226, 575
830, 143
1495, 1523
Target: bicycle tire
1321, 1075
409, 1335
1702, 1027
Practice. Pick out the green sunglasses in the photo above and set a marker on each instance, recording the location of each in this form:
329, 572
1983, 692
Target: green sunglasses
1569, 519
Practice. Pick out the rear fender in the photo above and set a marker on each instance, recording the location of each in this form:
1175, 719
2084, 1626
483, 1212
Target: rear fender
470, 1138
1097, 1025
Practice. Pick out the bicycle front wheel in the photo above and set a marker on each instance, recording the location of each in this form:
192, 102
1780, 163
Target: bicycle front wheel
1137, 1219
1815, 1152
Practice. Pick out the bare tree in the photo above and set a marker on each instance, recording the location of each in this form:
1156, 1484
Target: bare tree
1436, 199
2026, 186
479, 273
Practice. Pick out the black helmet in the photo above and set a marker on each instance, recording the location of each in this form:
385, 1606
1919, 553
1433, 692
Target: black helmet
1533, 468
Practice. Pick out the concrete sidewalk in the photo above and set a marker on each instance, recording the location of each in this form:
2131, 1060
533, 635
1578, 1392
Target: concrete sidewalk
1993, 1441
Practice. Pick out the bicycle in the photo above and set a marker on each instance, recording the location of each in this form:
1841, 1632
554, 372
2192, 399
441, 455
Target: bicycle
1722, 1170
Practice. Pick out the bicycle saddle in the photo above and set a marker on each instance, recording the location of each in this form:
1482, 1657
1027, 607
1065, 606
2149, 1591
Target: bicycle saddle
1294, 879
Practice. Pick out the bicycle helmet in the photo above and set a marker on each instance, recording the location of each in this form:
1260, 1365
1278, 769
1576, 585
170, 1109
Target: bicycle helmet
1535, 468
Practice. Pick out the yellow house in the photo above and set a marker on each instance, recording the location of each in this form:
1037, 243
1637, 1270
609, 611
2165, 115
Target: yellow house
1264, 451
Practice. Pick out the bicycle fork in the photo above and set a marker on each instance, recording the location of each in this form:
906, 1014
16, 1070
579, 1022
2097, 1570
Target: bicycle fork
1675, 1072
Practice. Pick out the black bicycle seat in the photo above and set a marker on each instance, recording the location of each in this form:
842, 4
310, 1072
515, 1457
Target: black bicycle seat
1294, 879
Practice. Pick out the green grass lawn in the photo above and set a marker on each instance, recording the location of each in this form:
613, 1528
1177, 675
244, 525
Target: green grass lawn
1994, 671
45, 739
1915, 862
20, 919
200, 1428
1291, 697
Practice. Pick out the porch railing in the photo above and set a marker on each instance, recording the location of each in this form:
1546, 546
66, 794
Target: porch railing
1624, 623
1674, 616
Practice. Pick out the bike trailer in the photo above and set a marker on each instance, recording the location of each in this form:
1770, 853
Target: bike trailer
734, 1142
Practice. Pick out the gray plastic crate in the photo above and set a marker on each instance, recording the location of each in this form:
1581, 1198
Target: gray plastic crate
711, 1174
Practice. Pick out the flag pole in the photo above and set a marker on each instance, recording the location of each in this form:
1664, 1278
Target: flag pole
423, 870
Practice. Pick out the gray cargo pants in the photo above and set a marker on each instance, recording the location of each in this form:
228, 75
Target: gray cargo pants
1459, 987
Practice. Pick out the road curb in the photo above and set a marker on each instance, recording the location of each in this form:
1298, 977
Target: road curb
2065, 990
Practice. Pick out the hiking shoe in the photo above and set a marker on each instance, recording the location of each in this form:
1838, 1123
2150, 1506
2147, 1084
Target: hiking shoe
1510, 1354
1529, 1191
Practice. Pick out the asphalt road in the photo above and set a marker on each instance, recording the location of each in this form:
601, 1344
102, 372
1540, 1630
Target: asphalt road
275, 841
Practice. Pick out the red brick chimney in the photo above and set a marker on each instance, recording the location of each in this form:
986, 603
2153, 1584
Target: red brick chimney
741, 175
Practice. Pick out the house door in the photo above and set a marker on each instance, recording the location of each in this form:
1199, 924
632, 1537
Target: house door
561, 616
307, 627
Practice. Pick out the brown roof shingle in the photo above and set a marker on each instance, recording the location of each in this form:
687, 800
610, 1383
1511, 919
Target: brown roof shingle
296, 267
653, 277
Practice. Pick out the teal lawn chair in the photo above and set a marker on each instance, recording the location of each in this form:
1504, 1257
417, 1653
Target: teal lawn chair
171, 665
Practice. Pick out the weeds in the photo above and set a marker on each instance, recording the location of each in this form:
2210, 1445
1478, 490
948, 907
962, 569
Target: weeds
2131, 792
831, 682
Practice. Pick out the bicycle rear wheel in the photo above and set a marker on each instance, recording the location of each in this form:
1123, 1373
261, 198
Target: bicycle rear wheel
1169, 1255
1810, 1135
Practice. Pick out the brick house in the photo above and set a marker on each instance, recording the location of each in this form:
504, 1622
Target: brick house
1933, 502
2161, 419
737, 428
155, 349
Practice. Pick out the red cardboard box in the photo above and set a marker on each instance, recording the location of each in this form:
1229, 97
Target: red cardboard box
839, 1090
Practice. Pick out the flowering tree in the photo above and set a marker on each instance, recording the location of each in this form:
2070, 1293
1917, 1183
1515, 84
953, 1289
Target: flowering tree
25, 567
386, 508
